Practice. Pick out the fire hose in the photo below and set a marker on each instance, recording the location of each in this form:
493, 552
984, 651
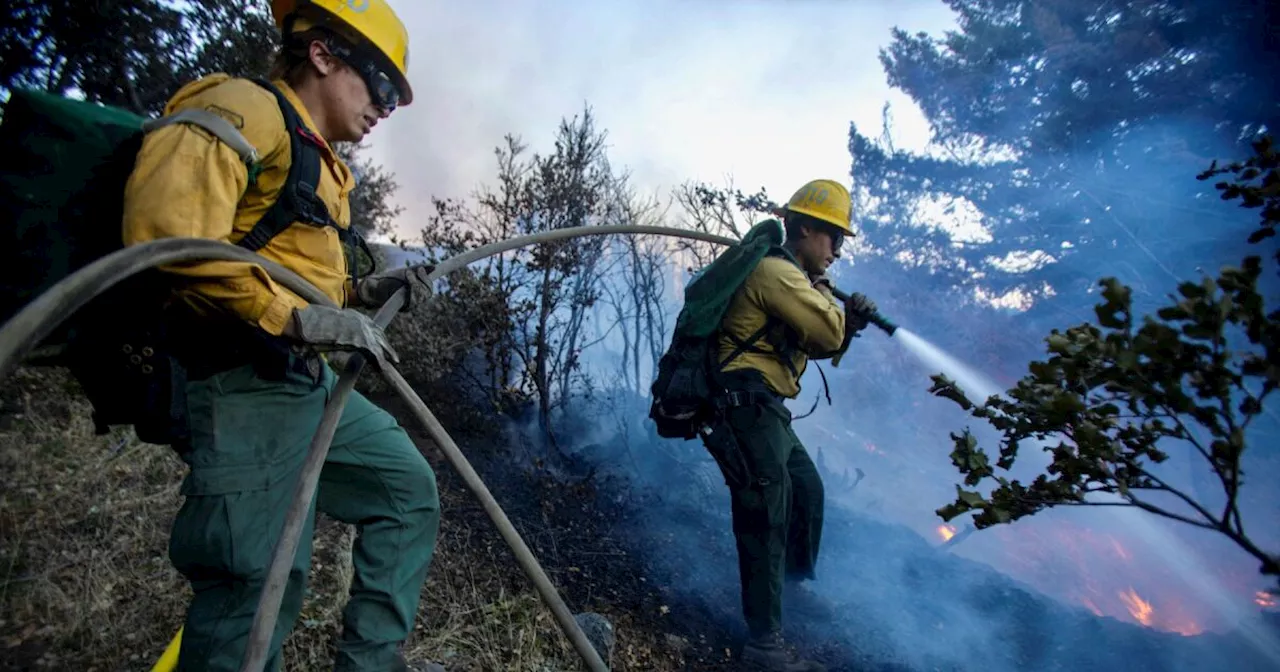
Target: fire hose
27, 329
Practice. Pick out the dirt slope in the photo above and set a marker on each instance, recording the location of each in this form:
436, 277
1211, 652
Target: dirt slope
85, 582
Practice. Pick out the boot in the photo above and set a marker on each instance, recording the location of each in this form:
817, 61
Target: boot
770, 654
802, 601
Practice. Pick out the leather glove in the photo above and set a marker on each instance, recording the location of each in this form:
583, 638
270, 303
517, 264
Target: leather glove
856, 311
334, 329
374, 290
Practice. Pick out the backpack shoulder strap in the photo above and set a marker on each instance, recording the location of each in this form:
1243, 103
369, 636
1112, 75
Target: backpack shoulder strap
219, 127
298, 201
741, 345
782, 346
783, 253
748, 345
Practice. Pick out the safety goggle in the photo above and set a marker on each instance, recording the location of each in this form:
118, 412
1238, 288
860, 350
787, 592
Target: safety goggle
382, 89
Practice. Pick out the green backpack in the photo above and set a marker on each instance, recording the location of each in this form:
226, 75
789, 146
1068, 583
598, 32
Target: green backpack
62, 183
688, 372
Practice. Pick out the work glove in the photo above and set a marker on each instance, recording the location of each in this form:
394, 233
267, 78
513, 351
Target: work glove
374, 290
335, 329
856, 311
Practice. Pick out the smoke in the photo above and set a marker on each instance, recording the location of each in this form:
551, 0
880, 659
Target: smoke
1064, 590
759, 90
697, 90
1029, 592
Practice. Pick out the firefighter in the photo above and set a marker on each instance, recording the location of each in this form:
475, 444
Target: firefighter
257, 382
777, 512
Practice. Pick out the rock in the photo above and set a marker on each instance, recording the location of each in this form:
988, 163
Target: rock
599, 632
677, 642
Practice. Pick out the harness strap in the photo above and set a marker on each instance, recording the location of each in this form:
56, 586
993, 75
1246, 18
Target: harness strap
298, 200
748, 345
782, 353
826, 390
735, 398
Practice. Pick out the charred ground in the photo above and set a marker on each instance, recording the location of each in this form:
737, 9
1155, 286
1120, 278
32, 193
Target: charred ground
658, 560
87, 585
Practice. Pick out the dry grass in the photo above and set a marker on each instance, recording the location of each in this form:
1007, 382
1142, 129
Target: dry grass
83, 535
86, 583
473, 618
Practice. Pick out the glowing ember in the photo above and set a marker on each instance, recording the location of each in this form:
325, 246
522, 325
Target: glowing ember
1185, 628
946, 532
1266, 600
1139, 608
1120, 549
1103, 573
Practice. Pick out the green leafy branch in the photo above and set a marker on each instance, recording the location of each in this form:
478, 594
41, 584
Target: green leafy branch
1257, 185
1114, 394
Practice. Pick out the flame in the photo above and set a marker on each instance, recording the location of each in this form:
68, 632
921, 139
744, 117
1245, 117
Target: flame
1266, 600
1186, 628
1139, 608
1106, 576
946, 532
1092, 607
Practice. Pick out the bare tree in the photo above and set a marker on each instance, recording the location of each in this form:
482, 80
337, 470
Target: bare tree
637, 293
723, 211
540, 298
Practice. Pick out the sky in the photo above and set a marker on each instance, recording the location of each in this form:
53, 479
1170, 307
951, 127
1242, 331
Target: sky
762, 91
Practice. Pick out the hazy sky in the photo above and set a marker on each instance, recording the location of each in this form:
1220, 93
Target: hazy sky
760, 90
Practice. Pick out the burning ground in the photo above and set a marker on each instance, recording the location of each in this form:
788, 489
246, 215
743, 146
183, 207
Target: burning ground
899, 601
87, 584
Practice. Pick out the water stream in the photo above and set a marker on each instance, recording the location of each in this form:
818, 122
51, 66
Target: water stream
1181, 560
975, 385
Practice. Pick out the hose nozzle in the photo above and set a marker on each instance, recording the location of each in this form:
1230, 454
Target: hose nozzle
883, 322
874, 318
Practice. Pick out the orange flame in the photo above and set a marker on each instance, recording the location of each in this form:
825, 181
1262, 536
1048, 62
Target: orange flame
946, 532
1185, 628
1139, 608
1266, 600
1092, 607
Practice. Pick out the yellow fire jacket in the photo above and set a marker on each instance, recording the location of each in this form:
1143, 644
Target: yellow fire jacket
779, 288
187, 183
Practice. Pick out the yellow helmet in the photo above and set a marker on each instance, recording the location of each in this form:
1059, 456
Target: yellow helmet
367, 23
826, 200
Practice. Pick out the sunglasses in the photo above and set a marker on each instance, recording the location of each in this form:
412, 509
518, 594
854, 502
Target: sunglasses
837, 240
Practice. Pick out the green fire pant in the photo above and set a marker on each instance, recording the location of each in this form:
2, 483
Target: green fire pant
777, 499
249, 438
